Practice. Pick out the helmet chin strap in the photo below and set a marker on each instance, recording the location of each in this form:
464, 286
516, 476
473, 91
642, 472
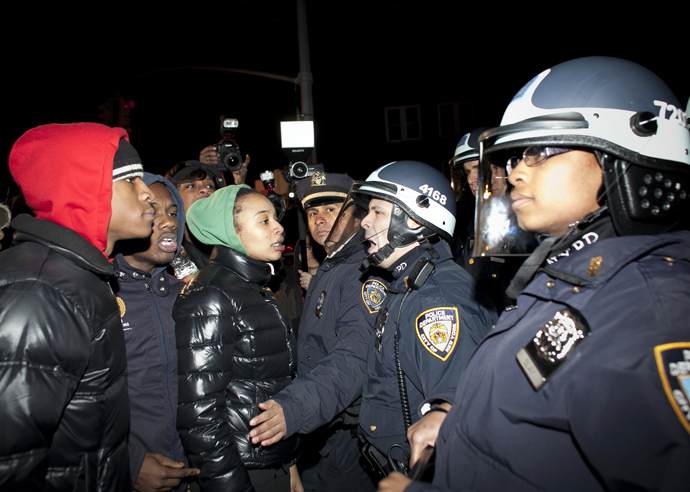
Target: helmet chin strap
399, 236
375, 259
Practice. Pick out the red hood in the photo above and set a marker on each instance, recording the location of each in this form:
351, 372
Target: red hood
66, 175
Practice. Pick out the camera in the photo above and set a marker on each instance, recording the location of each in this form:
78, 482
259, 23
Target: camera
300, 170
268, 180
228, 150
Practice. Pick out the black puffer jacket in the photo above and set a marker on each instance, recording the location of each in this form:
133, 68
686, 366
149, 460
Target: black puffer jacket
235, 350
64, 410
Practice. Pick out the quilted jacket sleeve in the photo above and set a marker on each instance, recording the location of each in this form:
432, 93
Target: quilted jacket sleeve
205, 331
43, 354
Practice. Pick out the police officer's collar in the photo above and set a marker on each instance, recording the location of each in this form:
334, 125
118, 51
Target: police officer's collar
593, 227
405, 261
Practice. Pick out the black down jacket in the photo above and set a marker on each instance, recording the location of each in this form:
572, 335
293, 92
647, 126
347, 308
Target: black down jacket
235, 350
64, 409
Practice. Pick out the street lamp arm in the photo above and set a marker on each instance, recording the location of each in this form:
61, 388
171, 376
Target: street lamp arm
291, 80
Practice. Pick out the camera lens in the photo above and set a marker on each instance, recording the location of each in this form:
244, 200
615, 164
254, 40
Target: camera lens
300, 170
230, 156
232, 161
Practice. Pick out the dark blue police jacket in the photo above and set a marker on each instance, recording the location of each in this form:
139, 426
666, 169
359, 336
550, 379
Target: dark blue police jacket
585, 385
334, 335
439, 326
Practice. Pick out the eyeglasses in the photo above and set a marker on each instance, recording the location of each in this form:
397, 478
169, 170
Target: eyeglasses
534, 155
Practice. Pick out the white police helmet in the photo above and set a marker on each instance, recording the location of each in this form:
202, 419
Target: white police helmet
416, 190
623, 113
468, 147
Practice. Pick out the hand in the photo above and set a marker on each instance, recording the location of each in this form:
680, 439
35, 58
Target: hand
273, 428
241, 174
395, 482
424, 432
209, 155
304, 279
160, 473
295, 481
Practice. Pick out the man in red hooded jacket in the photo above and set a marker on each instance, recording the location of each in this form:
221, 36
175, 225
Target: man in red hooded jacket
64, 410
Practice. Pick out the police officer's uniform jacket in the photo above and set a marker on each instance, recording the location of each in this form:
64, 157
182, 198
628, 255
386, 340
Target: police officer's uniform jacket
439, 326
607, 408
334, 335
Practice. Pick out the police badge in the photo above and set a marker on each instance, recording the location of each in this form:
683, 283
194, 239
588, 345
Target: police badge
318, 179
319, 304
673, 362
437, 329
373, 295
552, 345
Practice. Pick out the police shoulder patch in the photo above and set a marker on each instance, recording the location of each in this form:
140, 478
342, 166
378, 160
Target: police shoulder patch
437, 329
373, 295
673, 362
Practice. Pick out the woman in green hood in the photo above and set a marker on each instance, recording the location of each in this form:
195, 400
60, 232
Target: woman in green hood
235, 345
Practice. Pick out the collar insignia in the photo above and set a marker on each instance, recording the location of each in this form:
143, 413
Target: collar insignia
595, 266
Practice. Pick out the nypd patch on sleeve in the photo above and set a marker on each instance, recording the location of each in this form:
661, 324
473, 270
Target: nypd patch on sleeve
673, 362
373, 295
437, 329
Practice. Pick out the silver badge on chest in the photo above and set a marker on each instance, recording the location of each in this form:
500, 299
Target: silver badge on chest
319, 304
552, 345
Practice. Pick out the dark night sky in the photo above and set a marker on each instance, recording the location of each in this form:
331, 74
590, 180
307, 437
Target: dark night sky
61, 65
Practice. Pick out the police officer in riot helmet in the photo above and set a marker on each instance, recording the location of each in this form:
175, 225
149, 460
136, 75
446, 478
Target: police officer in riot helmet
431, 320
492, 273
582, 386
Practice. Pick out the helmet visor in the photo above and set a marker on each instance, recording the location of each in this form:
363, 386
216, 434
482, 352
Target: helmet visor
496, 228
347, 223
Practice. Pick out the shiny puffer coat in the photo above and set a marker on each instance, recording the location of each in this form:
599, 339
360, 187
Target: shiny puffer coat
235, 350
64, 409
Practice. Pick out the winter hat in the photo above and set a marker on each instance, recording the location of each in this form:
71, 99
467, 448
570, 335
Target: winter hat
211, 219
127, 163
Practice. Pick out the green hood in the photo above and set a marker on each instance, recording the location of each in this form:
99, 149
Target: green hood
210, 219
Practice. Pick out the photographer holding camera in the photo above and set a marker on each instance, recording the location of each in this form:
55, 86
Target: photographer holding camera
209, 155
226, 154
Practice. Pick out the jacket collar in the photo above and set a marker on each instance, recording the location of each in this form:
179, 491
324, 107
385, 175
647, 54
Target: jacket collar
401, 268
64, 241
612, 254
159, 281
249, 269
